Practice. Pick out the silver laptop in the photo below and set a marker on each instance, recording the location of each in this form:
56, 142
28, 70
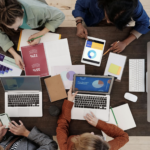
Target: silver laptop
93, 96
23, 96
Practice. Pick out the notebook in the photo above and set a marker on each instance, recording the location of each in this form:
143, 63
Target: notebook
55, 88
115, 65
39, 58
8, 67
123, 116
26, 33
67, 73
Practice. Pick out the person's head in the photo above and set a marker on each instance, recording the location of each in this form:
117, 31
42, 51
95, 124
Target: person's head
89, 141
118, 12
11, 15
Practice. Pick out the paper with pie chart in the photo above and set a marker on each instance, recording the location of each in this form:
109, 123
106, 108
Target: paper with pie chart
67, 73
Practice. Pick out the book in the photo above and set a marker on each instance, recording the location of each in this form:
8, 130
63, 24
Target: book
67, 73
26, 33
8, 67
122, 116
35, 60
39, 58
55, 88
115, 66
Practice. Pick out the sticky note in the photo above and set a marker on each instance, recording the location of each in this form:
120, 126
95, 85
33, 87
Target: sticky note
97, 46
114, 69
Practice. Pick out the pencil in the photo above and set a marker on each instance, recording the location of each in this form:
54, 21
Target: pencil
109, 49
114, 116
35, 38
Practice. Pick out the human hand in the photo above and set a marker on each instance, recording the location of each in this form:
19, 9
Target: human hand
70, 95
2, 131
81, 31
118, 47
18, 129
91, 119
19, 61
35, 41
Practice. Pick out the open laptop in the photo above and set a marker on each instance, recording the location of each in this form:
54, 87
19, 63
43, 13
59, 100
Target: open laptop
23, 96
93, 96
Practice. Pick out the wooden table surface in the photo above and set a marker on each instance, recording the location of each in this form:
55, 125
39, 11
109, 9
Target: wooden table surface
138, 49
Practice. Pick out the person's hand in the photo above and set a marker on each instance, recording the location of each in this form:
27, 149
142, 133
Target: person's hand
70, 95
2, 131
36, 41
118, 47
81, 31
91, 119
18, 129
19, 61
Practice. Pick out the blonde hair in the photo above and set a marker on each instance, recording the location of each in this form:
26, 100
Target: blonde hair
89, 141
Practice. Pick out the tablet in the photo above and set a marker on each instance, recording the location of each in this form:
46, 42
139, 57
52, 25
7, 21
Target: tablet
4, 119
93, 51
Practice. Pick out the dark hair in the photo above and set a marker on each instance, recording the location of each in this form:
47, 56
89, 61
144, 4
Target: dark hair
119, 12
9, 11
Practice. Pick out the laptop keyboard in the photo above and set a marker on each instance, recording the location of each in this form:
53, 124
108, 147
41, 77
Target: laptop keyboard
23, 100
92, 102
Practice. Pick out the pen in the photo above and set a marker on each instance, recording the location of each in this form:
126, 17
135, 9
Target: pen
114, 116
35, 38
109, 49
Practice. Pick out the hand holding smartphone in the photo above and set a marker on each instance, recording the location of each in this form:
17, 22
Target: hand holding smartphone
4, 119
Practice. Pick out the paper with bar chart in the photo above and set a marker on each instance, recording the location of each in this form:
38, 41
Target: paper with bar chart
67, 73
8, 67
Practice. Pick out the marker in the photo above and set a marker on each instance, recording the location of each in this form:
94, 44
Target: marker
35, 38
114, 116
109, 49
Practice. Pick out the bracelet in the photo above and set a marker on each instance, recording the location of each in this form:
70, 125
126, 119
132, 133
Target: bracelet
78, 23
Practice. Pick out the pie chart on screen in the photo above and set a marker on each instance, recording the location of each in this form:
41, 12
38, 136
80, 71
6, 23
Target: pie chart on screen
98, 84
67, 75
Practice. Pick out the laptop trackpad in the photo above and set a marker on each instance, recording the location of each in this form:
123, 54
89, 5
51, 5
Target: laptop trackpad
23, 111
89, 111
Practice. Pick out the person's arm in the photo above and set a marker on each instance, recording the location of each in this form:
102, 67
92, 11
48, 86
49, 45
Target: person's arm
2, 131
64, 121
63, 125
120, 137
54, 18
142, 26
44, 141
18, 59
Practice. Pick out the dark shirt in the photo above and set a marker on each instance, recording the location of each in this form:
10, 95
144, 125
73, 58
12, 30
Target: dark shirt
92, 15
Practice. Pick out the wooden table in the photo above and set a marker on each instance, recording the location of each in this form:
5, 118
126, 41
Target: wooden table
138, 49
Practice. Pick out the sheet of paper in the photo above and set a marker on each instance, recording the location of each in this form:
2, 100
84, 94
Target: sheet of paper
118, 60
57, 53
67, 73
124, 117
8, 67
26, 33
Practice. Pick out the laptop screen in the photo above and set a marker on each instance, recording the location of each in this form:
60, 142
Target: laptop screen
21, 83
92, 84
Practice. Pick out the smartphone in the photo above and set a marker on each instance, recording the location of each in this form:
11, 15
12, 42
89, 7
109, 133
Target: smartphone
4, 119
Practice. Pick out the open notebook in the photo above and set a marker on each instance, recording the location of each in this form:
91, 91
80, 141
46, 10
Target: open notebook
123, 116
26, 33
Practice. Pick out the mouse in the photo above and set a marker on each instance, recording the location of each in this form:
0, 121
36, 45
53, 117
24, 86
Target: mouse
54, 111
130, 97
